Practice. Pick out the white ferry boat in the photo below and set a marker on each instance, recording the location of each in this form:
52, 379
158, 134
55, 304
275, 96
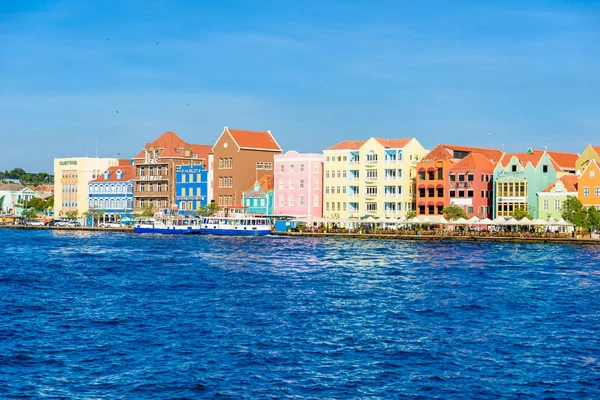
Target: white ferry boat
234, 221
166, 225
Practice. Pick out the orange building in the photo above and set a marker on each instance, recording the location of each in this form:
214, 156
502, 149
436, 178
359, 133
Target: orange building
433, 178
589, 185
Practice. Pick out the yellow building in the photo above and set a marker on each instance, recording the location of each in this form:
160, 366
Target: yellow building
590, 153
71, 178
374, 178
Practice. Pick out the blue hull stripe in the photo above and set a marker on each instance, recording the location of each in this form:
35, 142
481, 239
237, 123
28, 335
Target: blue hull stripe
234, 232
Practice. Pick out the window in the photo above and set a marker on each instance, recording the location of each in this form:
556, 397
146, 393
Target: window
142, 171
371, 174
220, 167
301, 200
545, 204
292, 168
326, 174
292, 183
469, 193
301, 183
282, 168
316, 184
281, 201
597, 191
326, 189
327, 158
461, 177
159, 187
371, 158
469, 209
220, 181
371, 207
339, 190
545, 169
556, 204
452, 177
327, 206
315, 200
301, 167
422, 175
592, 174
344, 189
230, 162
513, 168
281, 183
339, 174
461, 193
440, 173
470, 177
586, 192
344, 174
372, 190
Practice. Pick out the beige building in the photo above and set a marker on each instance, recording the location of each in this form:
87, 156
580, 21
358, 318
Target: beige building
71, 178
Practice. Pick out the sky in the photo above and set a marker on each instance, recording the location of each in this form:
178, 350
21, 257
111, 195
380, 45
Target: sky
507, 74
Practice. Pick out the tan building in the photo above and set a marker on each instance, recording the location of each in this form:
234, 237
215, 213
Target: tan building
240, 158
71, 178
156, 166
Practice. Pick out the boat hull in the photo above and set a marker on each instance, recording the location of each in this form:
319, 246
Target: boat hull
168, 230
234, 231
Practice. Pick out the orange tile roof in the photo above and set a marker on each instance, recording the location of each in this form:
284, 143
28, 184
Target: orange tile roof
347, 145
523, 158
564, 160
570, 182
202, 150
393, 143
169, 141
446, 152
124, 161
254, 140
474, 161
266, 183
596, 149
127, 171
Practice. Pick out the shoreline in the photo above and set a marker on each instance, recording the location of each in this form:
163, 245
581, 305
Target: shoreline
445, 238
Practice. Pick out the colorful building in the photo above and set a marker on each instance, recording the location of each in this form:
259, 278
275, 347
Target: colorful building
370, 178
588, 190
191, 188
460, 175
14, 198
590, 153
156, 170
551, 199
240, 159
519, 177
112, 193
299, 184
259, 197
71, 179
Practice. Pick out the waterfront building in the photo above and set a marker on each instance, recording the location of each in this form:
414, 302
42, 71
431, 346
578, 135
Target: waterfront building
552, 198
192, 188
112, 193
590, 153
588, 190
156, 170
240, 158
44, 191
299, 184
14, 197
259, 197
519, 177
71, 179
460, 175
370, 178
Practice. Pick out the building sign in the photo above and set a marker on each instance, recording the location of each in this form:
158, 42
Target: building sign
192, 171
70, 162
151, 160
253, 195
151, 178
186, 198
512, 200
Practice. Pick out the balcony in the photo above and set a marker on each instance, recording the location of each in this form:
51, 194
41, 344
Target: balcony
391, 195
151, 178
388, 161
370, 178
370, 212
370, 195
391, 178
371, 163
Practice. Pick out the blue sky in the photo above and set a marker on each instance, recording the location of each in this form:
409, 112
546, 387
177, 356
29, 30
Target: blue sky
314, 72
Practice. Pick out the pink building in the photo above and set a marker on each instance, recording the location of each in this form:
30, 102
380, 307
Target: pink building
298, 184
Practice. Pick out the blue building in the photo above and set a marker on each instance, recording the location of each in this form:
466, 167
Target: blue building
191, 188
112, 192
259, 197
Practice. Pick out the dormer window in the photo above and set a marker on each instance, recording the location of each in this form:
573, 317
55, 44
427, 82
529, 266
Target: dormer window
545, 169
106, 175
119, 174
514, 168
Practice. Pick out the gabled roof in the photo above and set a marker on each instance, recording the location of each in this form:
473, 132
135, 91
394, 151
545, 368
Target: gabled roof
254, 140
596, 149
169, 141
393, 143
446, 152
347, 145
564, 160
44, 188
202, 150
11, 187
126, 170
569, 181
474, 161
523, 158
559, 160
588, 164
266, 183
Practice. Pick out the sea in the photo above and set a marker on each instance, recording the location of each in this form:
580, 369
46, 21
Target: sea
99, 315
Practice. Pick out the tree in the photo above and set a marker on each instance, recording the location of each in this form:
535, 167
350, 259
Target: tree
208, 210
95, 214
72, 214
30, 213
593, 218
147, 211
520, 212
411, 214
49, 203
37, 203
574, 212
453, 212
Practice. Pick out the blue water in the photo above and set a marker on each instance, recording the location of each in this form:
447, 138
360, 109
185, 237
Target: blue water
106, 315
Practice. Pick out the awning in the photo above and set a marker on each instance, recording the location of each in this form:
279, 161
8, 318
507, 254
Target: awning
421, 187
421, 203
422, 170
440, 203
431, 203
431, 169
430, 186
440, 186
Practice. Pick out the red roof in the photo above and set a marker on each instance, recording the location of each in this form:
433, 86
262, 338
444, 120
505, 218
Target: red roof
596, 149
570, 182
446, 152
474, 161
347, 145
127, 171
523, 158
394, 143
202, 150
254, 140
124, 161
558, 159
266, 183
564, 160
173, 146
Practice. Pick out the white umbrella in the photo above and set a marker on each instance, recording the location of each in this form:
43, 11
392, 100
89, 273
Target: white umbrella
473, 220
525, 221
539, 221
512, 221
485, 221
460, 221
499, 221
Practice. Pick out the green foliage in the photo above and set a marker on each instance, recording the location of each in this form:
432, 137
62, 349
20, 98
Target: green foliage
72, 214
593, 218
30, 213
574, 212
95, 214
28, 179
147, 211
2, 201
37, 203
521, 212
49, 203
208, 210
411, 214
453, 212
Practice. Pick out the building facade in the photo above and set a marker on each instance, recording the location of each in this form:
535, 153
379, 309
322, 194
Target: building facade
373, 178
71, 179
443, 179
519, 177
112, 193
551, 199
156, 171
299, 184
588, 189
259, 197
14, 197
590, 153
240, 158
192, 188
